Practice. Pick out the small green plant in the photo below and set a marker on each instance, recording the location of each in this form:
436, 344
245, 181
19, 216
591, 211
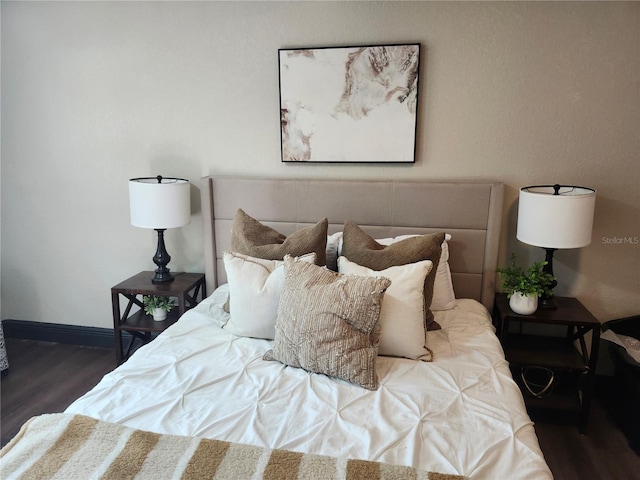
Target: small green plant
533, 280
152, 302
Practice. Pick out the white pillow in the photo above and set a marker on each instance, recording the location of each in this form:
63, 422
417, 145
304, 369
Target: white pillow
334, 242
402, 332
255, 285
444, 297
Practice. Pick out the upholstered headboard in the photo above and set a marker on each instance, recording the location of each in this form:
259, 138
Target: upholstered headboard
470, 212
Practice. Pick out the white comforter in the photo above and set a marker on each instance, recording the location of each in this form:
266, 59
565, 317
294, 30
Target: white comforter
460, 414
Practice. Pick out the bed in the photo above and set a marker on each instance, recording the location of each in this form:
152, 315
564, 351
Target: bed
452, 410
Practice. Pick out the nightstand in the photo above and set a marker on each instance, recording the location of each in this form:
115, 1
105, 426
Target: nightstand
142, 328
573, 367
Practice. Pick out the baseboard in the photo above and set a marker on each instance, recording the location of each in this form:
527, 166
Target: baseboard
59, 333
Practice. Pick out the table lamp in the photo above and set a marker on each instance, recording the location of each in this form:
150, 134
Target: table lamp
555, 217
160, 203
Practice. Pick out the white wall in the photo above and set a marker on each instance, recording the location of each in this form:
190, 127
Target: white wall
96, 93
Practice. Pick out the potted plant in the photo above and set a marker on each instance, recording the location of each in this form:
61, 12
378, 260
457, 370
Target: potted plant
157, 306
523, 287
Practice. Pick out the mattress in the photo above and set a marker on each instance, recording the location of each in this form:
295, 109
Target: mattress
462, 413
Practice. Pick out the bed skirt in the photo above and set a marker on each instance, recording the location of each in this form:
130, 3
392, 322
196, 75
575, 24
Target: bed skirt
69, 446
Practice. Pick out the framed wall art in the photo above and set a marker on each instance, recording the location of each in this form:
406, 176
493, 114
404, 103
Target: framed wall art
349, 104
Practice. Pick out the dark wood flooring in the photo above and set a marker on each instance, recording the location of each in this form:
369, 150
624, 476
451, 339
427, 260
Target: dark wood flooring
47, 377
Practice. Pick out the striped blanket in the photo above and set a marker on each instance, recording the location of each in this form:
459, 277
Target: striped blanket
69, 447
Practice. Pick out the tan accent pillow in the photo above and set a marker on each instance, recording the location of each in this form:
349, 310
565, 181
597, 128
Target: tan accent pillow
250, 237
328, 323
362, 249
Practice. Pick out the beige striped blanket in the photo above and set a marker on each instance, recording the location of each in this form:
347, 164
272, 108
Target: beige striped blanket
68, 447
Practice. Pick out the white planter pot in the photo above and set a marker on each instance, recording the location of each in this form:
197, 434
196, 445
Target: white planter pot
159, 314
524, 305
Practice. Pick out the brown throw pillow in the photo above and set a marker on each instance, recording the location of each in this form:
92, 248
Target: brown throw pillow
250, 237
362, 249
328, 323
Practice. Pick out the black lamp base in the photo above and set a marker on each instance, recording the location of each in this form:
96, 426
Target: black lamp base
161, 259
162, 277
546, 301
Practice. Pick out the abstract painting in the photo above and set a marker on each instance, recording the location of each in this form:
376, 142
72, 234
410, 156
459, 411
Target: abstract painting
349, 104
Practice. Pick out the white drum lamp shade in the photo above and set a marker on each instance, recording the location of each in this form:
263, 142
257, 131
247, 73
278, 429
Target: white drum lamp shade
556, 220
160, 203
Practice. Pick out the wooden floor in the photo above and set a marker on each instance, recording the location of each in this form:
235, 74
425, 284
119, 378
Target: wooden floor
47, 377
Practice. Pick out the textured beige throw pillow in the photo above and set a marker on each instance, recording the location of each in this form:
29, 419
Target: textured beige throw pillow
362, 249
250, 237
328, 323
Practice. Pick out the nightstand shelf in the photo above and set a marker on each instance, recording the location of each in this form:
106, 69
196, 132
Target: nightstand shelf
186, 288
141, 322
565, 396
573, 364
550, 352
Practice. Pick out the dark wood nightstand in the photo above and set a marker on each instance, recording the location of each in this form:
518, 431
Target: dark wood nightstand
573, 368
186, 288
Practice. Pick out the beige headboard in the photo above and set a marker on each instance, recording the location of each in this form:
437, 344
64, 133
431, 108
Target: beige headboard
470, 212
